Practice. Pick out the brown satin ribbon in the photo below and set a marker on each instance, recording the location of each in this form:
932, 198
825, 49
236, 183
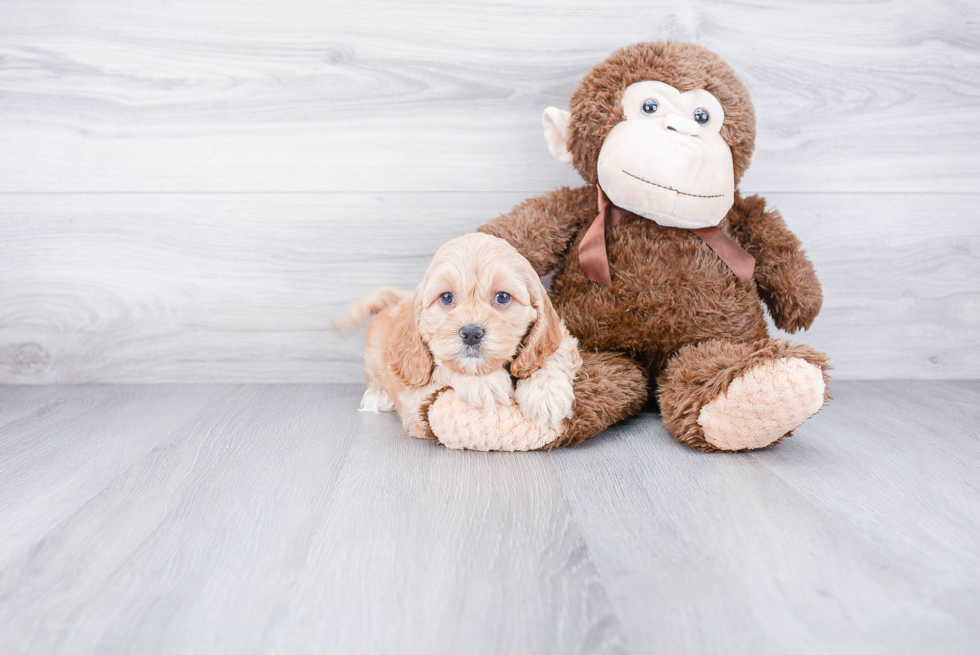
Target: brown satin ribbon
741, 262
592, 250
595, 262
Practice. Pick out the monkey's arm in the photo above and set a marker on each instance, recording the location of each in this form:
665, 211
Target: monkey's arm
784, 275
542, 228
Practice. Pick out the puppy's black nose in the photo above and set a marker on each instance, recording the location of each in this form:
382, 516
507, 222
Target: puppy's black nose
471, 334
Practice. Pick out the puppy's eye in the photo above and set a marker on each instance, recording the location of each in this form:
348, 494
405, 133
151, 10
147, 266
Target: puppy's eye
701, 116
447, 299
502, 298
650, 106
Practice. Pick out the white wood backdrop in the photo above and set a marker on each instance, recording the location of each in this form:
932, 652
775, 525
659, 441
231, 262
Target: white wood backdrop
191, 190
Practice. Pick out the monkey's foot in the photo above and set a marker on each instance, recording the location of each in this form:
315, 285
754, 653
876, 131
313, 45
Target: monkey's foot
725, 395
766, 402
459, 426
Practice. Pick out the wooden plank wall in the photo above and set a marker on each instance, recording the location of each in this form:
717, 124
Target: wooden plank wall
191, 190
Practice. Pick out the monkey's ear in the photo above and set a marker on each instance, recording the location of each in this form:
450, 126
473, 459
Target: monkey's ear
556, 133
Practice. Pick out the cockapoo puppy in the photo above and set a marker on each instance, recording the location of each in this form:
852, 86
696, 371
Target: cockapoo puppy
480, 318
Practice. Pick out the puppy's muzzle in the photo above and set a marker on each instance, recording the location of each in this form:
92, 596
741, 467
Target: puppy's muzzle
471, 334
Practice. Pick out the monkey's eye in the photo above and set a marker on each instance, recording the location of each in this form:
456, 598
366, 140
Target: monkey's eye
650, 106
502, 298
701, 116
446, 299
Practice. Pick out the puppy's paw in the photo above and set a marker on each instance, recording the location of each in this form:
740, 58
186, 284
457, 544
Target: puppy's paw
546, 399
546, 396
376, 399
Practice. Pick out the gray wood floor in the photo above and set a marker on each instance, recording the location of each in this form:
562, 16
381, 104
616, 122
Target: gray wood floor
264, 518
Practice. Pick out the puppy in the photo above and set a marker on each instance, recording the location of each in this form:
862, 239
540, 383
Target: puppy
479, 318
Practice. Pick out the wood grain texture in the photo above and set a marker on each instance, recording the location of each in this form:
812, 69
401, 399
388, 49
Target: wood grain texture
853, 536
277, 519
244, 288
380, 96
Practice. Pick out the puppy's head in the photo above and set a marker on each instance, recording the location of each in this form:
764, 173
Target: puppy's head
482, 306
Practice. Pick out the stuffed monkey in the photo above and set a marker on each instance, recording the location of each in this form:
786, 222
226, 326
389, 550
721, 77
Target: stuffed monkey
661, 267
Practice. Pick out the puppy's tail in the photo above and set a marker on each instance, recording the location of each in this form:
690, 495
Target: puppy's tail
372, 303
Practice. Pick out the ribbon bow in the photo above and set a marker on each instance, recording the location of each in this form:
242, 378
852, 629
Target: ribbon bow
595, 263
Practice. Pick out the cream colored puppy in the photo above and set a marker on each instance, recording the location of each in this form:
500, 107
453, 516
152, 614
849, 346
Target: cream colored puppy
479, 318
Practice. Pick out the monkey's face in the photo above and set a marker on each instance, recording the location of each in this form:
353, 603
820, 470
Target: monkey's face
665, 128
667, 160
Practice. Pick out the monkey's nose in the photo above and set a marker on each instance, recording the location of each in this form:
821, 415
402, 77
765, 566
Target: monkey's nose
471, 334
682, 125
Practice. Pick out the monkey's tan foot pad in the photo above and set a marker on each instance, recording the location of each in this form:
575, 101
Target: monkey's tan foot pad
458, 425
763, 404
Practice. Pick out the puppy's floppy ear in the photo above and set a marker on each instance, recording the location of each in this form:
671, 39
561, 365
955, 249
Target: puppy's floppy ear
544, 337
407, 354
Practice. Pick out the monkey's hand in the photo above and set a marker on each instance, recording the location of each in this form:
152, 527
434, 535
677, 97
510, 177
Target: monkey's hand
797, 303
784, 275
458, 425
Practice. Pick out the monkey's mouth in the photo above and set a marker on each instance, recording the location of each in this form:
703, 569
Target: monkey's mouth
683, 193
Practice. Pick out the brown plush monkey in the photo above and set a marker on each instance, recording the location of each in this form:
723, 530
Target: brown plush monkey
653, 259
